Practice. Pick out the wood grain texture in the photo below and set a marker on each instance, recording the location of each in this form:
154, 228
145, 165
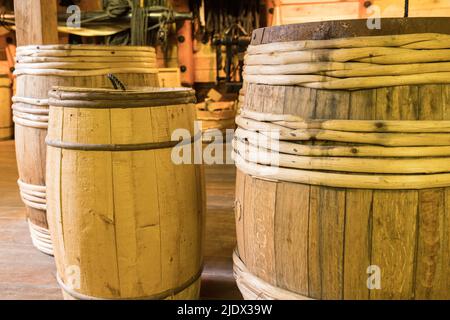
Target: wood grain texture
36, 22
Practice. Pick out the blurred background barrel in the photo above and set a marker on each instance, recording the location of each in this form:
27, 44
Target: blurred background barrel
118, 205
39, 68
6, 124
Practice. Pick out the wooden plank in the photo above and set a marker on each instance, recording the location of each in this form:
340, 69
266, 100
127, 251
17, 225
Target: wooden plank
291, 237
299, 101
397, 103
332, 104
331, 214
249, 223
430, 274
135, 205
294, 12
358, 213
263, 217
36, 22
88, 205
394, 242
357, 249
239, 213
314, 250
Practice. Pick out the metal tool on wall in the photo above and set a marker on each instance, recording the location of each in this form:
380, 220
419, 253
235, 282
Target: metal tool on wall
227, 25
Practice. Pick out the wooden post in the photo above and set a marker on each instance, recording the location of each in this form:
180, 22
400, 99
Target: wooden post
185, 45
36, 22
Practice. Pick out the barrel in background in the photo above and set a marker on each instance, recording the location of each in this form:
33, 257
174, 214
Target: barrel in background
6, 124
39, 68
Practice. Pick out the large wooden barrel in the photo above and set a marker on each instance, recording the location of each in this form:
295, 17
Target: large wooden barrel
39, 68
343, 151
123, 216
6, 124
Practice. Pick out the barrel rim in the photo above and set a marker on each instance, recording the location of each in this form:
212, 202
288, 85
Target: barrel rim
133, 97
334, 29
84, 47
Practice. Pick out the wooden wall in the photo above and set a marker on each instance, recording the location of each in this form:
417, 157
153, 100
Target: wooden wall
301, 11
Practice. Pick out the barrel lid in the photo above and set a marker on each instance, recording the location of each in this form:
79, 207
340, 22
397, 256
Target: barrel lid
134, 97
325, 30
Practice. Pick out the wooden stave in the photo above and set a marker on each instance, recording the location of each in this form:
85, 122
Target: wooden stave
6, 124
32, 133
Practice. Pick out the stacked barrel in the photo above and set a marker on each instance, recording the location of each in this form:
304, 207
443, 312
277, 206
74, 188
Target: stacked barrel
39, 68
343, 151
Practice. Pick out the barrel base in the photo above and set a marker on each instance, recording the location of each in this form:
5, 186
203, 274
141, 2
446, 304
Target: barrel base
41, 238
254, 288
192, 292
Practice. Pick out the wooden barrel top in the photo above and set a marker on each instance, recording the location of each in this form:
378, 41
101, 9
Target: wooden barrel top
112, 98
349, 28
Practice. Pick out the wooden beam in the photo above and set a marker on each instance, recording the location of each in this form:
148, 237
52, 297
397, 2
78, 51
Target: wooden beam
185, 46
36, 22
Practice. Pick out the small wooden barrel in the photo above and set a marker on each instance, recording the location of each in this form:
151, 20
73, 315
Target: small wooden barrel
125, 220
39, 68
169, 77
6, 124
343, 187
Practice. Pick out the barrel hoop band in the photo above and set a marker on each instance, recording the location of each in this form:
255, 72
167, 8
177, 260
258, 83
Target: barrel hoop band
85, 47
351, 63
408, 138
342, 180
121, 104
290, 121
33, 196
267, 143
33, 101
255, 288
41, 238
30, 116
119, 147
29, 123
19, 107
83, 73
158, 296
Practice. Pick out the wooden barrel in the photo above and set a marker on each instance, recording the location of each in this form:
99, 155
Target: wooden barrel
39, 68
343, 153
6, 124
123, 216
